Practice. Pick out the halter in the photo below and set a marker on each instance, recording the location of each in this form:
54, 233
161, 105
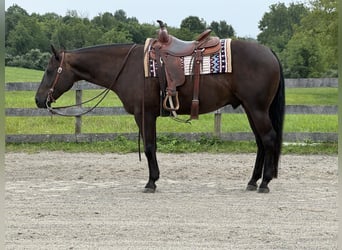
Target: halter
59, 71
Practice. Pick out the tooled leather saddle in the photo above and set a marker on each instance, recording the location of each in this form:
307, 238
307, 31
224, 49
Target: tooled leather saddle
167, 50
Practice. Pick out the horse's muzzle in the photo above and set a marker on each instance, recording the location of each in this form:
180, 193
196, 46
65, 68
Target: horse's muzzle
42, 103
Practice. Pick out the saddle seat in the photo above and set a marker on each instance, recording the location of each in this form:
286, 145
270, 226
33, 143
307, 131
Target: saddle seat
177, 47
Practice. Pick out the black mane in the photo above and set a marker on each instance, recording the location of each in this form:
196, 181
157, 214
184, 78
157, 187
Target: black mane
100, 46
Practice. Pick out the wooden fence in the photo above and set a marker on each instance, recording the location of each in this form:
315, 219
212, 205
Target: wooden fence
104, 111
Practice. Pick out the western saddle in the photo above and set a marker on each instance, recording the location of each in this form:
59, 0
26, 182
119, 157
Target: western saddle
168, 50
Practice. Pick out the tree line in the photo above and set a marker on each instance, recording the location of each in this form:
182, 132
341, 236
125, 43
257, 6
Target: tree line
303, 35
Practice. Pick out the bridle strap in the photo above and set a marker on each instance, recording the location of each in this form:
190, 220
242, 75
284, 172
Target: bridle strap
59, 71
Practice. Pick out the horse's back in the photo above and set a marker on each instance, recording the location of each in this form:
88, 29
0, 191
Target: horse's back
253, 56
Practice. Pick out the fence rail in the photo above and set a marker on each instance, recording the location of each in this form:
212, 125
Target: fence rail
104, 111
83, 85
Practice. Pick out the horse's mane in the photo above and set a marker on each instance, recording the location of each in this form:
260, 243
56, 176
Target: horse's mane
101, 46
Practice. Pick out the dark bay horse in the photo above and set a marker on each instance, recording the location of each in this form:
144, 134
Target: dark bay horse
256, 83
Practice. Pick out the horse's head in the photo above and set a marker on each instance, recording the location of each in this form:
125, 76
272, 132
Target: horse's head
57, 79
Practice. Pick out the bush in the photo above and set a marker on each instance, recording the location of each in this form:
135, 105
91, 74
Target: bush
34, 59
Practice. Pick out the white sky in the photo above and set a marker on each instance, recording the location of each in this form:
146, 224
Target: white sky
243, 15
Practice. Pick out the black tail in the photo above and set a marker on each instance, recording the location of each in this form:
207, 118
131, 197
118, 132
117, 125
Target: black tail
277, 111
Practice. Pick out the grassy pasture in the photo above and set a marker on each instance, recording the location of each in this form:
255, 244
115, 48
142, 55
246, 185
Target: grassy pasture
14, 74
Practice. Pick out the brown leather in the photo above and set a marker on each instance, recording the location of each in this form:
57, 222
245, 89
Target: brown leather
213, 49
174, 73
163, 35
168, 50
195, 98
177, 47
203, 35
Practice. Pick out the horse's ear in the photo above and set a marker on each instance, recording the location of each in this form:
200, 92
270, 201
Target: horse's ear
54, 51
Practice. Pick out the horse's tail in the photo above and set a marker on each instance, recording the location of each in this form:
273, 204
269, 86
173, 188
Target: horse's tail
276, 112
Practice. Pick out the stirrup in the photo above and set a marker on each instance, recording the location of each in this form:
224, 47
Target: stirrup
172, 107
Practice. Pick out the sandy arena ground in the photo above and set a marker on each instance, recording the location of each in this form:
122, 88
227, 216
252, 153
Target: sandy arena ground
58, 200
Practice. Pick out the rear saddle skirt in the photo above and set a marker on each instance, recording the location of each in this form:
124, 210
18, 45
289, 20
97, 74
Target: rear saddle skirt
176, 58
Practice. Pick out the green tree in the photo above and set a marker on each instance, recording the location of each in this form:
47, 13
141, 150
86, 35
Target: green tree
148, 30
48, 22
13, 16
120, 15
28, 37
222, 29
277, 25
321, 25
117, 36
73, 32
105, 21
312, 50
183, 33
193, 24
133, 28
303, 57
27, 34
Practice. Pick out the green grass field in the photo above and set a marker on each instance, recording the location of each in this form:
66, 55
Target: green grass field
125, 123
14, 74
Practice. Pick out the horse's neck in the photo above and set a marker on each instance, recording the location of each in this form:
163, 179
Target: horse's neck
97, 67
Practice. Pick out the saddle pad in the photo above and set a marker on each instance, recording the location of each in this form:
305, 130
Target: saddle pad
220, 62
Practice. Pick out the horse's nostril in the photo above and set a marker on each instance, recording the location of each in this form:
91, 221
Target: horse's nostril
40, 103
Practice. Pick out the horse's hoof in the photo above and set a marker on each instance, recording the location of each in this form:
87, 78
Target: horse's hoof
264, 190
149, 190
251, 187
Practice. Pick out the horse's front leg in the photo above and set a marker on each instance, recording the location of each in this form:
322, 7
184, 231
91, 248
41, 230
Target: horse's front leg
148, 132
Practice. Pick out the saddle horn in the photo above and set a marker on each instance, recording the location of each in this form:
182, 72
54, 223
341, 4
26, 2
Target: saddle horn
163, 35
161, 24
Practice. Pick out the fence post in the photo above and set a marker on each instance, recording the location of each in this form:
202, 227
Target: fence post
78, 119
217, 123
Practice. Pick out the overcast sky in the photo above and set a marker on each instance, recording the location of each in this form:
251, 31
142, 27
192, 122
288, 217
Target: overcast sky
243, 15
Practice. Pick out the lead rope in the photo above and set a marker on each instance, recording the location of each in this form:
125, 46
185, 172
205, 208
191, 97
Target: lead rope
54, 110
142, 130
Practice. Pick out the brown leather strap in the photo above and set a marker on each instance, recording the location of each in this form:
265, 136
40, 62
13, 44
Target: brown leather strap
59, 71
195, 100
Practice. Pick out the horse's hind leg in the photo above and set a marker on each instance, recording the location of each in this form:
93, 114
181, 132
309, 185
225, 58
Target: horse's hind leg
265, 137
269, 164
148, 132
260, 158
258, 167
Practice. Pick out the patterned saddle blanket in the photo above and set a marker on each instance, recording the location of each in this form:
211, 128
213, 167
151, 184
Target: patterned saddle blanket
219, 62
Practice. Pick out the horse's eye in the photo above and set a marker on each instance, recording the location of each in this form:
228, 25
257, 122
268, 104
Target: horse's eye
49, 71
